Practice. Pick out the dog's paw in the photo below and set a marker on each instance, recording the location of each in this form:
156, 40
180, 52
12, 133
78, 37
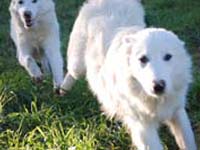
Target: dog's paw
38, 80
56, 91
62, 92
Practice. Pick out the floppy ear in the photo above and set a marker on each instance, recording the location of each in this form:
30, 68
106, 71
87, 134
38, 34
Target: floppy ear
128, 42
129, 36
11, 7
13, 10
128, 39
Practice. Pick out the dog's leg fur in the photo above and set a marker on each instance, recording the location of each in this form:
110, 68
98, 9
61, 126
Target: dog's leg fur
76, 55
52, 51
27, 61
181, 129
45, 65
144, 136
67, 83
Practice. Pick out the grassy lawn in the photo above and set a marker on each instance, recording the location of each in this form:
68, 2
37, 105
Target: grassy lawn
33, 118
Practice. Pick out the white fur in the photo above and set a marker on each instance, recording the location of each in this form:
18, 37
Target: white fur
108, 15
41, 41
124, 86
107, 43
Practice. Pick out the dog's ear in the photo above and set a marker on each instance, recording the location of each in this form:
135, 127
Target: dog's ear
128, 39
12, 4
12, 10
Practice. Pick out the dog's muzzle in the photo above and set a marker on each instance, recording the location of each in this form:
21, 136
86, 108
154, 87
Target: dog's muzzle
28, 18
159, 87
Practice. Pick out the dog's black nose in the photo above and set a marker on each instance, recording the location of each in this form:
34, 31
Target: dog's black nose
159, 86
27, 14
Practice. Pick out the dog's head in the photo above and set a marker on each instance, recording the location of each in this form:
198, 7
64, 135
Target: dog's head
28, 11
159, 61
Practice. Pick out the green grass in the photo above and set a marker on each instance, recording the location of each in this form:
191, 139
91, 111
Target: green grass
33, 118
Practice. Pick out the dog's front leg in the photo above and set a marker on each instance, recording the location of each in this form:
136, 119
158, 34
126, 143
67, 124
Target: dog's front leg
144, 135
28, 62
45, 65
181, 129
52, 51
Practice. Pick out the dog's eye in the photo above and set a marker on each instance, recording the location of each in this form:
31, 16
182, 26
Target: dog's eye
144, 59
34, 1
167, 57
21, 2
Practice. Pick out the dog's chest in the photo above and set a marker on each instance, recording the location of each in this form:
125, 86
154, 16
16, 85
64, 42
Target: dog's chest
149, 109
36, 37
162, 109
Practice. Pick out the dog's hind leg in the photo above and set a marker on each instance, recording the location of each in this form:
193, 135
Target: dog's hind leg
76, 54
76, 69
181, 129
67, 84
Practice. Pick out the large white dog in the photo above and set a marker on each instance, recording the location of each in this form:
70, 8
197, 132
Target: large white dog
140, 76
35, 32
94, 17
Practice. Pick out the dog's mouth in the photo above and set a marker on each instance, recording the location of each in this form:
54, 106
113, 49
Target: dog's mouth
28, 22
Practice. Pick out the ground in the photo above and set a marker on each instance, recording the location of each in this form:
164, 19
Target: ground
33, 118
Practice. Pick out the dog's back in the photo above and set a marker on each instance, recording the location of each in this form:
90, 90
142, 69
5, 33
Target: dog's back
94, 29
107, 19
107, 16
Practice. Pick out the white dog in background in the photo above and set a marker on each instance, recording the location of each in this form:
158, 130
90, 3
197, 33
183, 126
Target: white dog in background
35, 32
141, 76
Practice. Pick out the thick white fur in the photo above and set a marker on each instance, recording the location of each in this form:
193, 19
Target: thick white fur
40, 42
124, 86
107, 44
108, 15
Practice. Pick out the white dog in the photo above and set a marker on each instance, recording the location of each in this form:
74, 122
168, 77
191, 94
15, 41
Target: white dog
35, 32
143, 81
141, 76
113, 14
